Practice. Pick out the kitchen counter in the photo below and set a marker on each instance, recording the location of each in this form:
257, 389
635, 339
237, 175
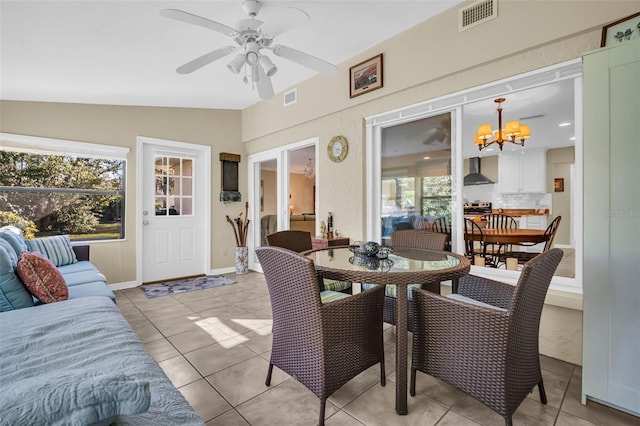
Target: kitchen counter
522, 212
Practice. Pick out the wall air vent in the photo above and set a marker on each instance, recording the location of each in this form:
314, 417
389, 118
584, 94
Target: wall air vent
477, 13
290, 97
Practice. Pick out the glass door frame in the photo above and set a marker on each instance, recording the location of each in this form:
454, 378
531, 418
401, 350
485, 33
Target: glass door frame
454, 102
282, 156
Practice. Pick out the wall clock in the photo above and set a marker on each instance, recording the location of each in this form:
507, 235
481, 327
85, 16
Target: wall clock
338, 148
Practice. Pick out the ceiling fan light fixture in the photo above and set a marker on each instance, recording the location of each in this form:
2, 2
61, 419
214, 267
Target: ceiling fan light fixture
252, 53
236, 64
268, 67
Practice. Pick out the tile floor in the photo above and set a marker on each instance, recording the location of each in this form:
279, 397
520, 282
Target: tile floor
214, 346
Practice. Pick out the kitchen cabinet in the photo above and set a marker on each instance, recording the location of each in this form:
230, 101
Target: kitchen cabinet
522, 171
533, 222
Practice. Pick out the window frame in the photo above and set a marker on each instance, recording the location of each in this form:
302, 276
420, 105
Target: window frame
48, 146
454, 102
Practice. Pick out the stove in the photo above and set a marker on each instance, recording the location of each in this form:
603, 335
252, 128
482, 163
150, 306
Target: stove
478, 207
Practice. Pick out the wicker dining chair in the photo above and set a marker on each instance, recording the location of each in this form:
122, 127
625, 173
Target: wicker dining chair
408, 239
322, 345
300, 241
484, 340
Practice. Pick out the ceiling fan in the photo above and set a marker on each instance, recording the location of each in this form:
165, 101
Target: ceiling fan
252, 36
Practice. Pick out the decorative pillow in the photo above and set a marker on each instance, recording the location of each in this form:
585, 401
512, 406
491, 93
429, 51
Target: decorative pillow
73, 398
13, 295
40, 276
57, 249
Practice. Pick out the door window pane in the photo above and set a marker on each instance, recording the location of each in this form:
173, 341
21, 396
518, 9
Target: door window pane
416, 175
174, 186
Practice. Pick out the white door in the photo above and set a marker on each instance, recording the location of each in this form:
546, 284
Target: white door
172, 213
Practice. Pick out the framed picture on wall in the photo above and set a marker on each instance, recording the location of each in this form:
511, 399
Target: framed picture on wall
365, 76
620, 31
558, 185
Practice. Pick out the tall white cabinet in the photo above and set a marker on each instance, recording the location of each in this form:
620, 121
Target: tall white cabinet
522, 171
611, 353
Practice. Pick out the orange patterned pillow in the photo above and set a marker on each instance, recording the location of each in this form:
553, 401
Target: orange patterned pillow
40, 276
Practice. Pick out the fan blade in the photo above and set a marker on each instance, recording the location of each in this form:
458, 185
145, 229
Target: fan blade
205, 59
291, 17
305, 59
190, 18
265, 88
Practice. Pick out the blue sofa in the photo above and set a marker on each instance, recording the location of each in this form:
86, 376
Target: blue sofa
83, 279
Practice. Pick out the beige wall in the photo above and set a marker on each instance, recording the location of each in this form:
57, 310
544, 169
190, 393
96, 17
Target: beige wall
269, 192
120, 126
559, 162
302, 194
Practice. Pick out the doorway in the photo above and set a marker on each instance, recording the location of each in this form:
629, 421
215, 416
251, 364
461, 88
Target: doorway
172, 213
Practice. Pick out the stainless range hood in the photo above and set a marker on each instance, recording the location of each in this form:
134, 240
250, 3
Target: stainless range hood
475, 177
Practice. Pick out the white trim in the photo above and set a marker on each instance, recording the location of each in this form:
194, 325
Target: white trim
201, 150
452, 103
123, 285
221, 271
49, 146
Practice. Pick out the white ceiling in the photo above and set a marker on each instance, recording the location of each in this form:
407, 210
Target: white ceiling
125, 53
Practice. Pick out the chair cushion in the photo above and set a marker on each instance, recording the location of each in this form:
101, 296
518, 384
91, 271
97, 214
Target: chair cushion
13, 295
96, 288
57, 249
466, 299
331, 296
40, 276
335, 285
391, 290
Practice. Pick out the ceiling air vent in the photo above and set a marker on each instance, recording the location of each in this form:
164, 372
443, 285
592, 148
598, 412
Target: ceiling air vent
477, 13
290, 97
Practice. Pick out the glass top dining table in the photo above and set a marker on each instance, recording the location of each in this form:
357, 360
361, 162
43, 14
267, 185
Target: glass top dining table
402, 267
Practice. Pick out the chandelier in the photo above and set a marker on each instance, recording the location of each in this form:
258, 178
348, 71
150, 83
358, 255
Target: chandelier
309, 170
513, 132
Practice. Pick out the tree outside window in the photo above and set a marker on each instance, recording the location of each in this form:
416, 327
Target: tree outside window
64, 194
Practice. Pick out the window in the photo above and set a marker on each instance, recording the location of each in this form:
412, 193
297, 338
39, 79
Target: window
174, 186
81, 194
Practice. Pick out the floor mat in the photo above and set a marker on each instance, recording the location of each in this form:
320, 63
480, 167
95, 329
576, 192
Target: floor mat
183, 286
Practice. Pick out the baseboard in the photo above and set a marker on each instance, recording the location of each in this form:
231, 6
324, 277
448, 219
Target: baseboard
220, 271
123, 286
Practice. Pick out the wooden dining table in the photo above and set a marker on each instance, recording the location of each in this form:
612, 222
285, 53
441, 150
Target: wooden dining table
402, 267
511, 236
503, 237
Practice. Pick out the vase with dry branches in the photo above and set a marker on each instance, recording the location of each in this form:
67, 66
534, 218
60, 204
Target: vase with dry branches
240, 227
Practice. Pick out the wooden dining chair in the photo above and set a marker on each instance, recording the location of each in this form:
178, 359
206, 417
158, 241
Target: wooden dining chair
484, 340
300, 241
412, 238
322, 345
498, 221
550, 235
443, 226
474, 244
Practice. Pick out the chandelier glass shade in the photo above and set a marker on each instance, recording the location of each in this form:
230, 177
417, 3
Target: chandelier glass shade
513, 132
309, 169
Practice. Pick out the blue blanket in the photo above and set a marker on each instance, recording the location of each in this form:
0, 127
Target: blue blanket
88, 349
